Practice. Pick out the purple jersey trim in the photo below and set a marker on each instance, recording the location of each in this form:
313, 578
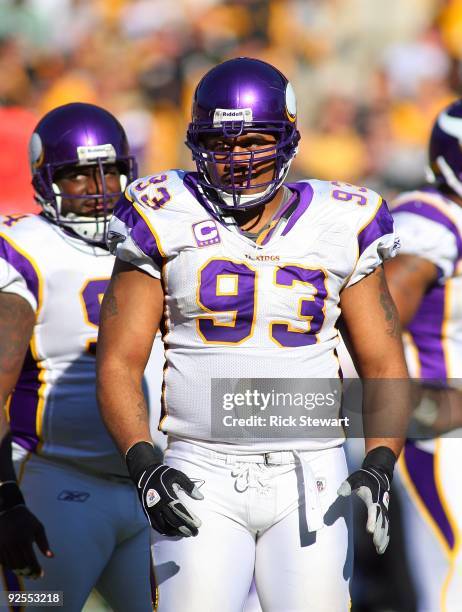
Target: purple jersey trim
305, 193
24, 405
291, 201
140, 233
421, 468
428, 211
380, 225
302, 190
426, 329
21, 264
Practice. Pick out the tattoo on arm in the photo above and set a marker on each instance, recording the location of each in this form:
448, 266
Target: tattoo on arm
389, 308
141, 414
109, 308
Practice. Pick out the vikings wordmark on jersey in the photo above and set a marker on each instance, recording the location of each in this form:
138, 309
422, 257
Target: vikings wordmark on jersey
233, 306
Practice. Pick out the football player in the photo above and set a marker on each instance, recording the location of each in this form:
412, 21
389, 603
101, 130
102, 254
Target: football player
426, 283
248, 275
70, 479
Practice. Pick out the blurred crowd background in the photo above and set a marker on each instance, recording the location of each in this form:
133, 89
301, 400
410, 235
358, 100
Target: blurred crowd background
370, 76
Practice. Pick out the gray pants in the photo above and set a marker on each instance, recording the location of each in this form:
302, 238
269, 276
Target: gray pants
97, 531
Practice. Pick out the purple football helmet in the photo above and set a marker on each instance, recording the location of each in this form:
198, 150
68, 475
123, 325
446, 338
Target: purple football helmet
236, 97
445, 153
79, 134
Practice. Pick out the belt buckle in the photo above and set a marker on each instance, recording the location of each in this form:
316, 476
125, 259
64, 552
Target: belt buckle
266, 458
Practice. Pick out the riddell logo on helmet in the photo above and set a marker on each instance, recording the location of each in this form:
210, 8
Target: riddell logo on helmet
232, 114
88, 154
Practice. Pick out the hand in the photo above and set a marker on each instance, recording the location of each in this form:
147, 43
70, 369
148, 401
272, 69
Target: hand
372, 484
437, 411
158, 487
19, 529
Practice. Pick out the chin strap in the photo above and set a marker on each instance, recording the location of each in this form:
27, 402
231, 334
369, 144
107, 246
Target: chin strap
243, 199
89, 228
250, 200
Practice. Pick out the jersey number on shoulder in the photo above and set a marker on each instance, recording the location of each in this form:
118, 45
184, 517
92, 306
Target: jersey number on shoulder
91, 296
154, 197
227, 286
344, 194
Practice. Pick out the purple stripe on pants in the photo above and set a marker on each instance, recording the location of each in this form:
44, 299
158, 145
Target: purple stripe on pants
421, 468
24, 404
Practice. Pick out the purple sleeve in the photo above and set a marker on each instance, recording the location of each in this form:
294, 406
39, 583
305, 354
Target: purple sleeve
377, 242
380, 225
129, 228
18, 271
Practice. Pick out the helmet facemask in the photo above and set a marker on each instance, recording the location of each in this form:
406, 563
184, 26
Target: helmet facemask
227, 176
90, 227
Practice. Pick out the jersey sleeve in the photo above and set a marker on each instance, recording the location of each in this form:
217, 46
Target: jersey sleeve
18, 274
427, 232
132, 238
377, 242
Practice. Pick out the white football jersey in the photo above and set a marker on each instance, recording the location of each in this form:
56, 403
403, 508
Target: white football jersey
430, 226
53, 409
236, 309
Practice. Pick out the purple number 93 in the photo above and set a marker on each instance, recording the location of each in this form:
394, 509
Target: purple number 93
230, 288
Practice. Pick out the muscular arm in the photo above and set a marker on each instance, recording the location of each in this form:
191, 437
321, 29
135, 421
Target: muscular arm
16, 324
374, 333
130, 316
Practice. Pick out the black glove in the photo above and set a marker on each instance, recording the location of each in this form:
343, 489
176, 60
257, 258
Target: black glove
372, 484
157, 486
19, 529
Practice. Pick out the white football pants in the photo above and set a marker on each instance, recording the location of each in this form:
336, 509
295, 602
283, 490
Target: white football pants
255, 519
